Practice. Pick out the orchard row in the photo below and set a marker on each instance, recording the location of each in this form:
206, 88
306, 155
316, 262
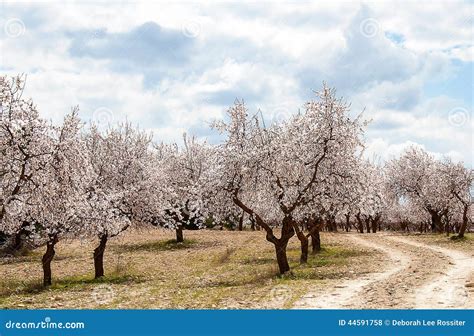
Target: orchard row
292, 178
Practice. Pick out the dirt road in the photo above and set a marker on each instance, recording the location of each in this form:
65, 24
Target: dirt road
416, 275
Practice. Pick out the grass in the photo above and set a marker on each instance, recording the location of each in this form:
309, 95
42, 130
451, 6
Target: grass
210, 269
36, 286
331, 263
332, 255
157, 246
224, 257
465, 244
467, 236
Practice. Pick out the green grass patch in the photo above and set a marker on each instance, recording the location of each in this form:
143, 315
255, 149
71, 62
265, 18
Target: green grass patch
319, 263
258, 261
64, 284
82, 280
156, 246
467, 237
443, 239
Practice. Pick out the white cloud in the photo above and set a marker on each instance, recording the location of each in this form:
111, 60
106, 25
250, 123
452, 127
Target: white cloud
270, 54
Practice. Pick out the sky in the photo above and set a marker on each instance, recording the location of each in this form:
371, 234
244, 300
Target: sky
174, 67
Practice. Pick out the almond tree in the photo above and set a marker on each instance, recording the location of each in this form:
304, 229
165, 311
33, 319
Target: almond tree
26, 148
284, 163
372, 202
223, 211
405, 215
417, 176
58, 202
189, 177
321, 211
350, 192
121, 191
460, 180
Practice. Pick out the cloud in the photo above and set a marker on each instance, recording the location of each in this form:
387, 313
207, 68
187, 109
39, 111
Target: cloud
175, 67
145, 48
367, 58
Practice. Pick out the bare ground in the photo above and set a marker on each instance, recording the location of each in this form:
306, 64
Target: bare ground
146, 269
417, 274
222, 269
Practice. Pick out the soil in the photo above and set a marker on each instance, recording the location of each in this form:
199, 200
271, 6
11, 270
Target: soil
416, 274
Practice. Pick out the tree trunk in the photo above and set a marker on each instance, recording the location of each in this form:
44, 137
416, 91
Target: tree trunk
348, 224
252, 223
99, 256
361, 224
332, 226
241, 222
179, 234
316, 241
375, 223
287, 231
367, 225
46, 260
465, 219
436, 225
18, 241
282, 259
304, 247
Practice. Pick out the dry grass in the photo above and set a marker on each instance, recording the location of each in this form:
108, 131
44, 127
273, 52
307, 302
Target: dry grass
465, 244
147, 269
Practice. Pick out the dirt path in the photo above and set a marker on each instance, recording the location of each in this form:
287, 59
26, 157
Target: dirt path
448, 290
416, 275
343, 295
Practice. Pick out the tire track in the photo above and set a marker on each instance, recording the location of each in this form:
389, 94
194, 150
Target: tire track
449, 289
417, 276
348, 293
